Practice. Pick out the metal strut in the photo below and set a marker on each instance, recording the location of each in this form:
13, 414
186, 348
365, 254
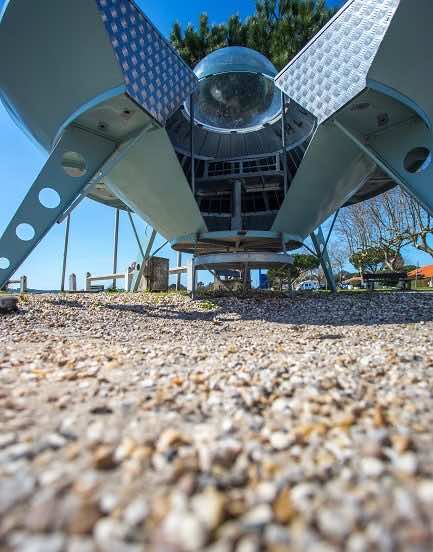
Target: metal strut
58, 175
320, 245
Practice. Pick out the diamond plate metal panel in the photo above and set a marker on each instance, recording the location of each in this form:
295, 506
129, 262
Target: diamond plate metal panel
332, 69
155, 76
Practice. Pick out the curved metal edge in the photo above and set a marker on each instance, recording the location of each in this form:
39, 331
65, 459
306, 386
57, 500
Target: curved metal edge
396, 95
107, 95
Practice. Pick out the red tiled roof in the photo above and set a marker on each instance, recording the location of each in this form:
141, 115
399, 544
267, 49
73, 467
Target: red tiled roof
423, 272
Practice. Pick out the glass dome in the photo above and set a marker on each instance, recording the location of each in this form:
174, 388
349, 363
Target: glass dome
236, 91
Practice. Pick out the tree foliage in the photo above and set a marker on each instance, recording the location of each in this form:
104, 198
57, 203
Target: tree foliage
302, 263
368, 260
386, 223
279, 29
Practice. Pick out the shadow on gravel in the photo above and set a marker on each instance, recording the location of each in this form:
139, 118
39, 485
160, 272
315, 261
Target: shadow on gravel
364, 309
155, 311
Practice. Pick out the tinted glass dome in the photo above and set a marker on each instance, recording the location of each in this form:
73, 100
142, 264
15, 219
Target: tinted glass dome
236, 91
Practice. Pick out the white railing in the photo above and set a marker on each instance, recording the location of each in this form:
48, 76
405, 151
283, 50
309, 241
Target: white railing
21, 281
127, 276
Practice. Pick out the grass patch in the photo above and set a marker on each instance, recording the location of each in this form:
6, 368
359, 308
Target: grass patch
207, 305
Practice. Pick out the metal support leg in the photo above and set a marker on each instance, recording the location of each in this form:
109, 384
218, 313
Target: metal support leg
65, 252
319, 243
115, 245
192, 145
32, 215
283, 142
289, 267
237, 206
194, 282
392, 151
136, 283
179, 275
134, 229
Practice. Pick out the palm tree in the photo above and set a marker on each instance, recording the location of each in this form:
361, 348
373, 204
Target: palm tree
278, 29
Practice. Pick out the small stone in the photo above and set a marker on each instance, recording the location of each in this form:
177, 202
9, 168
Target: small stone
111, 536
185, 530
171, 438
16, 490
42, 543
280, 440
335, 524
43, 513
406, 463
101, 409
7, 439
136, 512
372, 467
108, 502
209, 507
248, 544
20, 451
283, 507
82, 516
103, 458
227, 452
258, 516
56, 441
81, 544
425, 491
401, 443
125, 450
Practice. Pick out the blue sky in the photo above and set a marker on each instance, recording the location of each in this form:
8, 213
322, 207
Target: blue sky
91, 243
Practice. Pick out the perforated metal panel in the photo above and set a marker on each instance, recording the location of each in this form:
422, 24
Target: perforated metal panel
155, 76
333, 67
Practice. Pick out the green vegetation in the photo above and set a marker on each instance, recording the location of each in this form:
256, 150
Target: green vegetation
301, 263
279, 29
207, 305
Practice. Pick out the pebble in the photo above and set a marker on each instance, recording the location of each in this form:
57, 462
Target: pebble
103, 458
7, 439
185, 529
136, 512
41, 543
372, 467
15, 490
209, 507
280, 440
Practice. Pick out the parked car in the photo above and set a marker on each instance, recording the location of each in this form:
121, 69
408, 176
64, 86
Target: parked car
307, 285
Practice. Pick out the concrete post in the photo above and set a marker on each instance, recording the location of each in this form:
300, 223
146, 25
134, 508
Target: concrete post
23, 284
87, 282
128, 280
72, 282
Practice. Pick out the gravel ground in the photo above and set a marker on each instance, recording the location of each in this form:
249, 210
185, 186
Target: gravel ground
151, 422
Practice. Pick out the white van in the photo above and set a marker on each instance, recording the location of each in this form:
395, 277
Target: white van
307, 285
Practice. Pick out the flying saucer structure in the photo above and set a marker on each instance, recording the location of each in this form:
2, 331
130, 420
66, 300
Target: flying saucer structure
227, 158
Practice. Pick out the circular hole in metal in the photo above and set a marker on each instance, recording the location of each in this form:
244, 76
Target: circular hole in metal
25, 232
74, 164
4, 263
49, 198
418, 160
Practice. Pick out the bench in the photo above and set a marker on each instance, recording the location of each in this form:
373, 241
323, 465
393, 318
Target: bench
400, 279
